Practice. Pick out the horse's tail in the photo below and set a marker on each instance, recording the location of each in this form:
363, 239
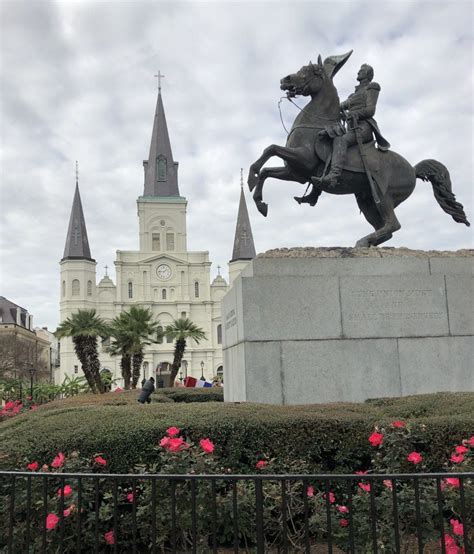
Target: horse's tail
438, 175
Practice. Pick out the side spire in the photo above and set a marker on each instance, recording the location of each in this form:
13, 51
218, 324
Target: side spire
77, 243
161, 171
244, 248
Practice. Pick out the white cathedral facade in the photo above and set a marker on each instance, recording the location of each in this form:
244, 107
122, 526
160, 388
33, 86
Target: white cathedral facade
162, 275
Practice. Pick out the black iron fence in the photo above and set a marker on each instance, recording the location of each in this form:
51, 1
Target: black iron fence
78, 512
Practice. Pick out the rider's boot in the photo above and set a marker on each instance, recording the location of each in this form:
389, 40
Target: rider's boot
311, 198
339, 150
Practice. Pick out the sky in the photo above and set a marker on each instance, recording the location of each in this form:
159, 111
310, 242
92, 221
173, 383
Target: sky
77, 83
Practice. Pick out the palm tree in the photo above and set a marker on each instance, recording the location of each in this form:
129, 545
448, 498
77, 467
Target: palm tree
181, 330
84, 327
132, 331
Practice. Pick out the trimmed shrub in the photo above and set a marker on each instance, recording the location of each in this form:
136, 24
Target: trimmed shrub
182, 394
320, 438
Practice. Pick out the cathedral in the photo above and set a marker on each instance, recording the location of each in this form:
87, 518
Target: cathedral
162, 275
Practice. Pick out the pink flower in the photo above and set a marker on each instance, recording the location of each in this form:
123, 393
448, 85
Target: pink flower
388, 483
176, 445
33, 466
461, 449
130, 497
470, 442
398, 424
452, 482
164, 442
261, 464
67, 491
310, 491
457, 458
343, 509
9, 405
44, 467
67, 512
332, 498
414, 457
376, 439
457, 526
118, 389
343, 522
100, 461
51, 521
361, 472
365, 486
109, 537
451, 545
207, 445
58, 460
172, 431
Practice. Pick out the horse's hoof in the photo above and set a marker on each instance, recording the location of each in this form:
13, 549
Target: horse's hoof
262, 208
298, 199
362, 243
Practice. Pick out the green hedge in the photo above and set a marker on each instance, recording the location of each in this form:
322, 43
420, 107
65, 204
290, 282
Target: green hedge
182, 394
320, 438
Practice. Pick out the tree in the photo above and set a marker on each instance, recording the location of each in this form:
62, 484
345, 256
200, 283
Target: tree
132, 331
84, 327
181, 330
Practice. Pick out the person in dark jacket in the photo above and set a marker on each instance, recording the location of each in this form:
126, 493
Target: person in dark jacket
147, 389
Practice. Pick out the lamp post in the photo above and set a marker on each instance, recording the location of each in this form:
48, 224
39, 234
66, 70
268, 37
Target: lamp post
202, 371
32, 371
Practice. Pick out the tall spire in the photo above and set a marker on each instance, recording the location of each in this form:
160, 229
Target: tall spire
161, 171
244, 248
77, 244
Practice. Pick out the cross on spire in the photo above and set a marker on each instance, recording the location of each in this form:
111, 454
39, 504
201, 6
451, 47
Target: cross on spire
241, 177
106, 267
159, 77
77, 172
219, 270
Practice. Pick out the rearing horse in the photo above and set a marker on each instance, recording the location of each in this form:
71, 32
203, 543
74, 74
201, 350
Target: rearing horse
308, 150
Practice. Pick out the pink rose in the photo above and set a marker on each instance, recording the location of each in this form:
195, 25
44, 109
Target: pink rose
470, 442
58, 460
261, 464
332, 498
176, 445
172, 431
457, 458
343, 509
343, 522
33, 466
451, 482
388, 484
414, 457
100, 461
361, 472
51, 521
398, 424
67, 491
109, 537
207, 445
365, 486
376, 439
461, 449
164, 442
310, 491
67, 512
457, 526
130, 497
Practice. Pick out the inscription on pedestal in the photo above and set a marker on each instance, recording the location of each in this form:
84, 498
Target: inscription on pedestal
391, 306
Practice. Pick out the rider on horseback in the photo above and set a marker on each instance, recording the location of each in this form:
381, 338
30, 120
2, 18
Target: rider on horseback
360, 107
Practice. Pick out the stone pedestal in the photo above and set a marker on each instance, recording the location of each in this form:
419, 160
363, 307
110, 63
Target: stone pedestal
308, 325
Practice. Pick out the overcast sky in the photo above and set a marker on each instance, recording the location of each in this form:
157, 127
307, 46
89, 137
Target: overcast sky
77, 84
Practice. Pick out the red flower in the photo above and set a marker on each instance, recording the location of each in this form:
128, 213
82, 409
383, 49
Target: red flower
365, 486
458, 528
67, 491
414, 457
388, 484
33, 466
457, 458
130, 497
343, 509
109, 537
9, 405
164, 442
176, 445
332, 498
398, 424
361, 472
261, 464
100, 461
58, 460
461, 449
172, 431
451, 545
51, 521
207, 445
470, 442
376, 439
452, 482
310, 491
67, 512
343, 522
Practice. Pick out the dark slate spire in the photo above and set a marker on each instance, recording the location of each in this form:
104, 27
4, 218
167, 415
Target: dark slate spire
161, 171
77, 244
244, 248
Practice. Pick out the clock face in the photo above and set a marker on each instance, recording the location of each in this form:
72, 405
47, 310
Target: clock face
163, 271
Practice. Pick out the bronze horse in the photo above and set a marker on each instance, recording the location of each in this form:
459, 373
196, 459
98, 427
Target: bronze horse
308, 150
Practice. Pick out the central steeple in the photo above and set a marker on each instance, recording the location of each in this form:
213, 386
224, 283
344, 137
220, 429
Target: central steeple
161, 171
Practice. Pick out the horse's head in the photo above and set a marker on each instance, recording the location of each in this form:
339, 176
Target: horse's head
309, 80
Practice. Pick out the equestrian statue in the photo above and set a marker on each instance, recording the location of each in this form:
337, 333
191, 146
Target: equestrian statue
338, 148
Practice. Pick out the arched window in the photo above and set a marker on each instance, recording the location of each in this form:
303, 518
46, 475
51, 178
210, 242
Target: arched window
130, 289
161, 168
159, 335
219, 334
196, 289
76, 287
163, 294
64, 288
89, 288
